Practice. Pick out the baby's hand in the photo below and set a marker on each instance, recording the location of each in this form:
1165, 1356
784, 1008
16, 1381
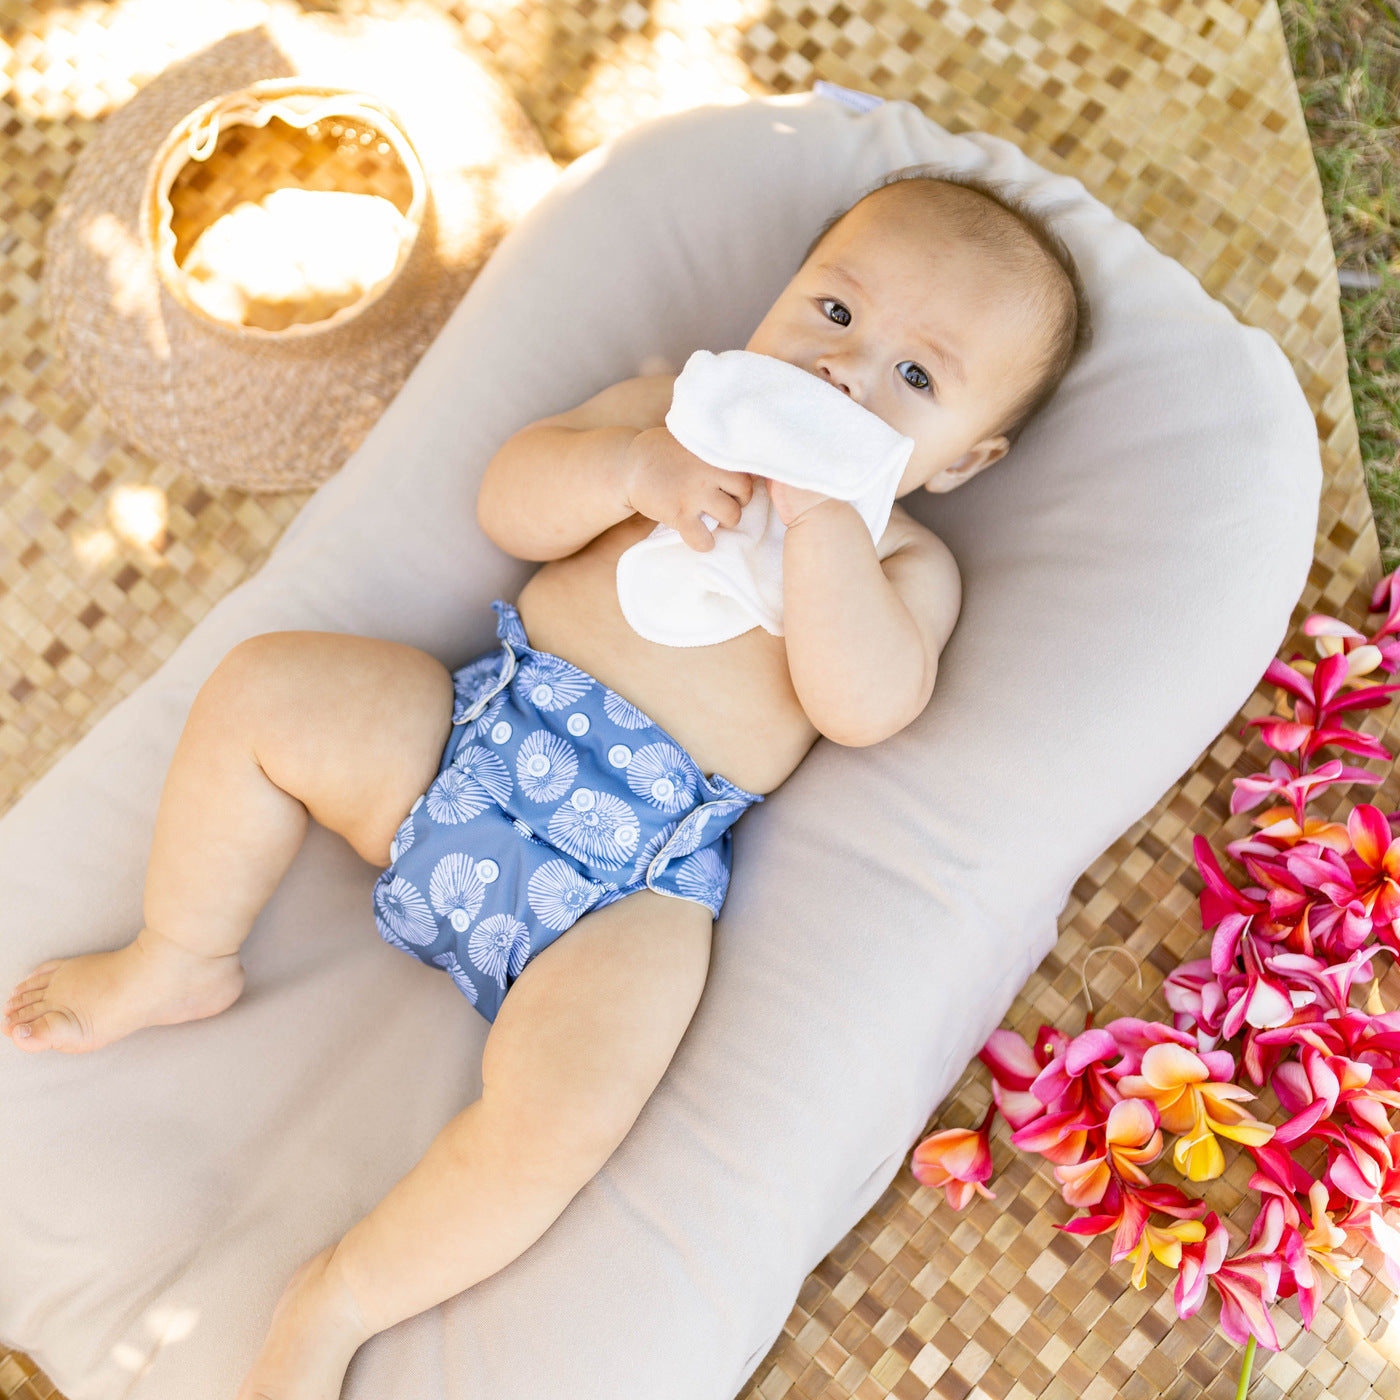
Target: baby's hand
673, 486
791, 502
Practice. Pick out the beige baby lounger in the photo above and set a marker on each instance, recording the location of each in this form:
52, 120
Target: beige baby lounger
1128, 572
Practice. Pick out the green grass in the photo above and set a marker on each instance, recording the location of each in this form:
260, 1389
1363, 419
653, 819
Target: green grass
1346, 59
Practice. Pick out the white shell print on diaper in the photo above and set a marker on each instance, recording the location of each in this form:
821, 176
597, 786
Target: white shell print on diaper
757, 414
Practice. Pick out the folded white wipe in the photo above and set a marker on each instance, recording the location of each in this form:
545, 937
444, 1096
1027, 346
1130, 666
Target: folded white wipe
757, 414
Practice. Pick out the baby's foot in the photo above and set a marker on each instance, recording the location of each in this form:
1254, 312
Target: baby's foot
316, 1329
78, 1004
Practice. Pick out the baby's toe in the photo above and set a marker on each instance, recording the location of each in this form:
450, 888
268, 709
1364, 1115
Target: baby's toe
19, 999
37, 980
30, 1030
38, 1027
34, 1006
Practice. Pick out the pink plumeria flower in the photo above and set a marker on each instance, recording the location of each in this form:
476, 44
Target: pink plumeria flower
1197, 999
1199, 1260
1078, 1093
1332, 637
1058, 1137
1275, 1231
1261, 1000
1332, 980
1220, 899
1386, 597
1246, 1284
1015, 1066
1353, 1034
1298, 788
1316, 705
1078, 1076
1359, 1160
1340, 921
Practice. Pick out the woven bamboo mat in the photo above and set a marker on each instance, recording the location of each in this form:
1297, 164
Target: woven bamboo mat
1182, 115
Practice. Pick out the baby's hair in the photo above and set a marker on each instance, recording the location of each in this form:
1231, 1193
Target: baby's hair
1064, 307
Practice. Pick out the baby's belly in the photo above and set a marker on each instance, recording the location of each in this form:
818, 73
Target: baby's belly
731, 705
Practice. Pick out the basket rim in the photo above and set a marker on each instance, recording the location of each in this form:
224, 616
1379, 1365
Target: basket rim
195, 137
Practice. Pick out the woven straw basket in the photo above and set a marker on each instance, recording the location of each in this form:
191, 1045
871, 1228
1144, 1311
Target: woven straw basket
274, 395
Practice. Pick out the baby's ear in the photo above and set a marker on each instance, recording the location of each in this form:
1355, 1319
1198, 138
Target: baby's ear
968, 465
939, 482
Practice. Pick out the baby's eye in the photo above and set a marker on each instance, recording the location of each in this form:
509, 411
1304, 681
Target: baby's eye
917, 379
829, 301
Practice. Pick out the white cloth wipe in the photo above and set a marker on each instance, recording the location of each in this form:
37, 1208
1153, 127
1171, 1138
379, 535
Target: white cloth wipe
754, 413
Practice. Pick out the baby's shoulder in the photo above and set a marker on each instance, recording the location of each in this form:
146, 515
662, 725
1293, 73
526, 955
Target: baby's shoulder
903, 532
639, 403
922, 570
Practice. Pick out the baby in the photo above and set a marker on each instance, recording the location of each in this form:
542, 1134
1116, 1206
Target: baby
579, 778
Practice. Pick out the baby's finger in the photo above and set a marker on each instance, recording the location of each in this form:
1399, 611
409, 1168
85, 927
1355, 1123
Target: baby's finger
725, 509
737, 484
694, 533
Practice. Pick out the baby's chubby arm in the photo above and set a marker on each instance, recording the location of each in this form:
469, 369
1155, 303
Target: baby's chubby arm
561, 481
863, 634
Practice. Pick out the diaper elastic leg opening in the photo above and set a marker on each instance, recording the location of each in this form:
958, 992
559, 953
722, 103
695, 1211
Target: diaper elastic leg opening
658, 863
488, 695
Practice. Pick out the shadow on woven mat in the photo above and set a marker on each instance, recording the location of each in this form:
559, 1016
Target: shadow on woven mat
1182, 117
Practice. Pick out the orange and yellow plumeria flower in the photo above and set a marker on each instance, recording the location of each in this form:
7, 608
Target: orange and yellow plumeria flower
1163, 1241
1131, 1137
1189, 1103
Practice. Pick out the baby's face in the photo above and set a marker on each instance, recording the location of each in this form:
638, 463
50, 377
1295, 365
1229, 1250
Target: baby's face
885, 287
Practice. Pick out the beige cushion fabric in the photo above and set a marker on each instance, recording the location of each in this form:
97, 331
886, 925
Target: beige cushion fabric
1128, 572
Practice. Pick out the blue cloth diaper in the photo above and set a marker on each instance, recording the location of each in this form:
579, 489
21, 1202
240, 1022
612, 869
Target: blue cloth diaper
554, 797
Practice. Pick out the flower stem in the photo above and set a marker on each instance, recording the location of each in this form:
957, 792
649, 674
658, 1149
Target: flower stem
1246, 1367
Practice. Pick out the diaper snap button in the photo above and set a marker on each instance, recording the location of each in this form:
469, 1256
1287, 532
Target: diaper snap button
582, 800
500, 732
487, 871
537, 765
577, 724
542, 694
619, 755
625, 835
663, 789
459, 920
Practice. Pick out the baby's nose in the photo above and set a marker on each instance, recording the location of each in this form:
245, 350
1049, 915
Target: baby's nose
835, 380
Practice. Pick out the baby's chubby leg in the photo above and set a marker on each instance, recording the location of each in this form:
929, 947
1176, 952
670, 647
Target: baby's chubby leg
290, 725
580, 1042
